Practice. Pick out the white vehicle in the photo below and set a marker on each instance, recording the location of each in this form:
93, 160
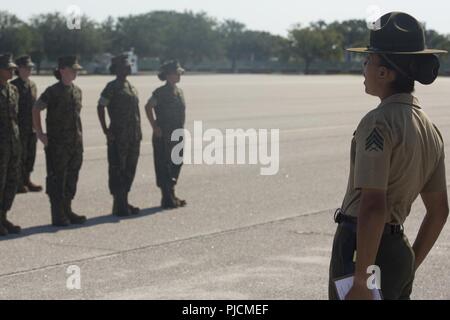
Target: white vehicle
133, 58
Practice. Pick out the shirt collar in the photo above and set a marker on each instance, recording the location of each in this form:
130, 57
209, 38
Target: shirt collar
70, 86
121, 81
24, 81
168, 85
401, 98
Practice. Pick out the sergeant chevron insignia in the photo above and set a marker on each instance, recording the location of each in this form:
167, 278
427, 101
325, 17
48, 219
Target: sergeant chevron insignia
375, 141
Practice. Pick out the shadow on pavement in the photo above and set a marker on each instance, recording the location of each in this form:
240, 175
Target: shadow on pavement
106, 219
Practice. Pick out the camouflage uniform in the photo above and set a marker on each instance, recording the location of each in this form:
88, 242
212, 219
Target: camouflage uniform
64, 153
9, 146
27, 98
122, 102
65, 142
169, 106
170, 115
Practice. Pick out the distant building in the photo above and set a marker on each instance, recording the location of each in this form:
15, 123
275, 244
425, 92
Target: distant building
133, 58
100, 64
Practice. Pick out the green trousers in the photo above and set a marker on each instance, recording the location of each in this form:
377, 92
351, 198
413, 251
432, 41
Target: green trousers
29, 143
122, 161
167, 172
9, 175
63, 168
395, 259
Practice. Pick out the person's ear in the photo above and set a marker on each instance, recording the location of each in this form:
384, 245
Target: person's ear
382, 72
391, 75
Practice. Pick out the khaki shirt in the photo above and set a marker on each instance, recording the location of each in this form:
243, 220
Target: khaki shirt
395, 148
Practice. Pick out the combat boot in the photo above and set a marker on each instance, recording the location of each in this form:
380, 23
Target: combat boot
179, 202
33, 187
73, 217
133, 210
12, 229
167, 201
59, 218
3, 230
114, 208
121, 205
22, 189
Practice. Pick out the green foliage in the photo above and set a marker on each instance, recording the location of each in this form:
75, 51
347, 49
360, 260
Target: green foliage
192, 38
315, 42
168, 35
16, 37
56, 39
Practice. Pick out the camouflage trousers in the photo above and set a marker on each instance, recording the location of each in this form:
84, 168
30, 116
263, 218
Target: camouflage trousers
167, 172
63, 167
395, 259
122, 160
29, 142
9, 175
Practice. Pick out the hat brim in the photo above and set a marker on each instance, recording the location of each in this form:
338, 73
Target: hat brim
9, 65
121, 65
116, 67
374, 50
27, 65
177, 71
76, 66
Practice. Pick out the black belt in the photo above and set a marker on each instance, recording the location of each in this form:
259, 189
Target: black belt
341, 218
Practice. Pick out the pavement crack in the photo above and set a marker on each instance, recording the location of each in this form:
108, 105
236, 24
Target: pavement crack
110, 254
312, 233
69, 245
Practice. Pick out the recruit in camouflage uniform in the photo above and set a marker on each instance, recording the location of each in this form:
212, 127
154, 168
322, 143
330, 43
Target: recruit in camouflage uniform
63, 142
9, 144
123, 135
27, 97
169, 106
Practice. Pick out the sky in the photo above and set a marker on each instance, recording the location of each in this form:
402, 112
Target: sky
275, 16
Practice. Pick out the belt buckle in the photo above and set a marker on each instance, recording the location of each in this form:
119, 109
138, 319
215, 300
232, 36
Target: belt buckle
338, 216
396, 228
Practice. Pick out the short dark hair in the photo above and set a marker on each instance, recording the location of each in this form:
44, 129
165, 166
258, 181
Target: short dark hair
113, 69
162, 76
404, 82
57, 74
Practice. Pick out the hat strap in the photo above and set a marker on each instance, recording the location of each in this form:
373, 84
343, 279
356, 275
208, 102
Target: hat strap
396, 67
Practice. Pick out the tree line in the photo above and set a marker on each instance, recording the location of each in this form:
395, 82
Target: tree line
187, 36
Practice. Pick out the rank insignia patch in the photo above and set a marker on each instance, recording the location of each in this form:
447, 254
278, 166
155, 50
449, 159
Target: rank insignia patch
375, 141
